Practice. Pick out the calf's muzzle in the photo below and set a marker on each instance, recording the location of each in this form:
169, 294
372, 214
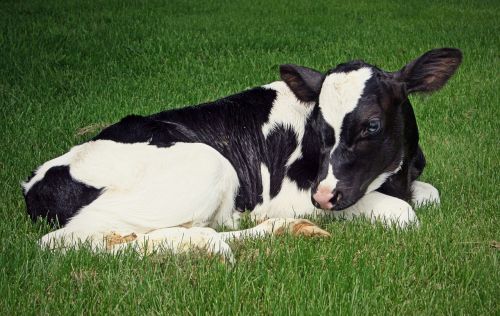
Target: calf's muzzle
327, 199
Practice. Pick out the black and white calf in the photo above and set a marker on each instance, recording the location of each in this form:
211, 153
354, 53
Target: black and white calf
346, 140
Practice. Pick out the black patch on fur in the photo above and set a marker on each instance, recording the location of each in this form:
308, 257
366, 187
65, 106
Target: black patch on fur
280, 144
135, 128
58, 197
318, 139
348, 67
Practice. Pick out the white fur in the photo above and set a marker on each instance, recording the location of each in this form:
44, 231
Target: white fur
339, 96
330, 181
266, 184
377, 206
424, 194
291, 201
288, 111
147, 188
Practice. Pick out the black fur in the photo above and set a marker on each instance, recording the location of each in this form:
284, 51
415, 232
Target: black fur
347, 67
418, 165
280, 144
399, 185
304, 82
135, 128
58, 197
430, 71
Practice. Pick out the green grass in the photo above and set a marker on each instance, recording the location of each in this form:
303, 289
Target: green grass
67, 64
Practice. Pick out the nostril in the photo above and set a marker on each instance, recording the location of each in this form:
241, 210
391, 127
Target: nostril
337, 196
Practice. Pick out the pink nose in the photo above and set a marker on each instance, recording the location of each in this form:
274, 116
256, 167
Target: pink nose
323, 196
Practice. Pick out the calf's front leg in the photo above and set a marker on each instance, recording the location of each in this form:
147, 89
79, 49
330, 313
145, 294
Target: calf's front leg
377, 206
177, 240
278, 226
424, 194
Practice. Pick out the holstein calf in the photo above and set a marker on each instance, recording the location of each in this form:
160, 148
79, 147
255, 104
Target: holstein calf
345, 141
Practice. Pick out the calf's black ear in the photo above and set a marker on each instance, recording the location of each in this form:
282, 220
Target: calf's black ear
431, 71
304, 82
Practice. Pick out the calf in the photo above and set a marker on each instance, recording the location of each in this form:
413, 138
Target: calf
346, 140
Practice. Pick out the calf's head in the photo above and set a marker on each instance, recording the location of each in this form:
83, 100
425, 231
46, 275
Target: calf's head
367, 127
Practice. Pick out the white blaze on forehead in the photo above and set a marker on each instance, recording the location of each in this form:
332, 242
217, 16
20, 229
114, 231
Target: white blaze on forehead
339, 96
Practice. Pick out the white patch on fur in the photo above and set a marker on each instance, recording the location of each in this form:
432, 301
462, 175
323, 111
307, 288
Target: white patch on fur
226, 214
148, 188
291, 201
382, 177
266, 183
288, 111
377, 206
63, 160
424, 193
339, 96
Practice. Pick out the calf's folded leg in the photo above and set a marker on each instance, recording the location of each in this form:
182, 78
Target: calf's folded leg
377, 206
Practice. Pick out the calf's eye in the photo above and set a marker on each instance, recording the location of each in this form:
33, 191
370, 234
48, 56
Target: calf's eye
373, 126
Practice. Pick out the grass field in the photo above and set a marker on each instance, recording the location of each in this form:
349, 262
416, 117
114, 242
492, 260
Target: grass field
65, 65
